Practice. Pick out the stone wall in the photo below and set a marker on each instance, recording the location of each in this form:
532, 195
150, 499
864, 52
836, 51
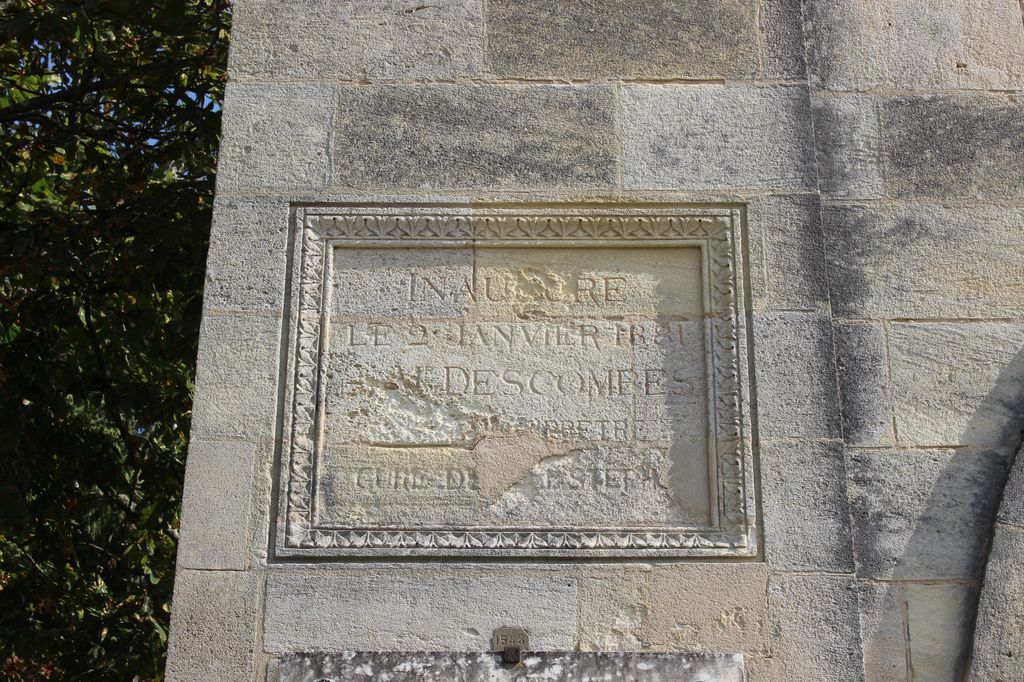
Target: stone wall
874, 152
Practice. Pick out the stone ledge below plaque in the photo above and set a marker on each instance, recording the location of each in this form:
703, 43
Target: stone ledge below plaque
484, 667
517, 381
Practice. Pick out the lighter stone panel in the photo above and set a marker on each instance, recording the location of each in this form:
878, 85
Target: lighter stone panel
484, 385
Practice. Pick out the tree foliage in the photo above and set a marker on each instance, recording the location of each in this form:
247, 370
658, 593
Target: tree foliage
110, 115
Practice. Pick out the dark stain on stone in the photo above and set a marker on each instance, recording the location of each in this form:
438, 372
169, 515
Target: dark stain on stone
823, 33
829, 132
811, 250
922, 514
863, 383
959, 146
782, 22
849, 246
475, 136
828, 398
609, 38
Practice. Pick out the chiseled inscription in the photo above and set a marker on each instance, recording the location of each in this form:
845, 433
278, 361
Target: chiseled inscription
506, 386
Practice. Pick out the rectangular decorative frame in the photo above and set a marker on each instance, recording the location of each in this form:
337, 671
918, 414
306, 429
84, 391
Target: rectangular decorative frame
716, 229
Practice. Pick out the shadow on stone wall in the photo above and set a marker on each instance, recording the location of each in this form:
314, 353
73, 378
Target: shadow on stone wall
995, 640
955, 524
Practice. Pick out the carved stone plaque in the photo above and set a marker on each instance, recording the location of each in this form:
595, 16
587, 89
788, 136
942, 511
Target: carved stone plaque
517, 381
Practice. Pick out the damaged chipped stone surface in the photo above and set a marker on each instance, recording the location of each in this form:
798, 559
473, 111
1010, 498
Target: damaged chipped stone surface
430, 667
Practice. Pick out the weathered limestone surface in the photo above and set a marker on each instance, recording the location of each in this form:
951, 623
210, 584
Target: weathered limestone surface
868, 153
937, 615
782, 44
997, 652
913, 631
863, 364
818, 637
216, 508
717, 137
382, 613
918, 139
236, 377
923, 514
943, 146
999, 620
427, 137
692, 609
884, 630
605, 38
356, 39
888, 43
925, 261
614, 608
807, 524
957, 384
787, 264
848, 145
256, 156
213, 635
797, 392
245, 274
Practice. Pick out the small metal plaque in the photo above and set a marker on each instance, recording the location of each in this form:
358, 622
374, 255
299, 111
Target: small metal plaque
481, 667
505, 637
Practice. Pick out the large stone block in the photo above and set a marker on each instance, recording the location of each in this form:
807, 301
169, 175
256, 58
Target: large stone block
248, 256
946, 146
910, 261
794, 361
915, 631
236, 378
787, 268
331, 612
709, 607
782, 40
806, 514
717, 137
816, 625
997, 653
858, 45
863, 362
275, 137
497, 137
215, 509
213, 627
614, 607
957, 383
923, 514
848, 146
883, 627
939, 619
578, 39
363, 39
